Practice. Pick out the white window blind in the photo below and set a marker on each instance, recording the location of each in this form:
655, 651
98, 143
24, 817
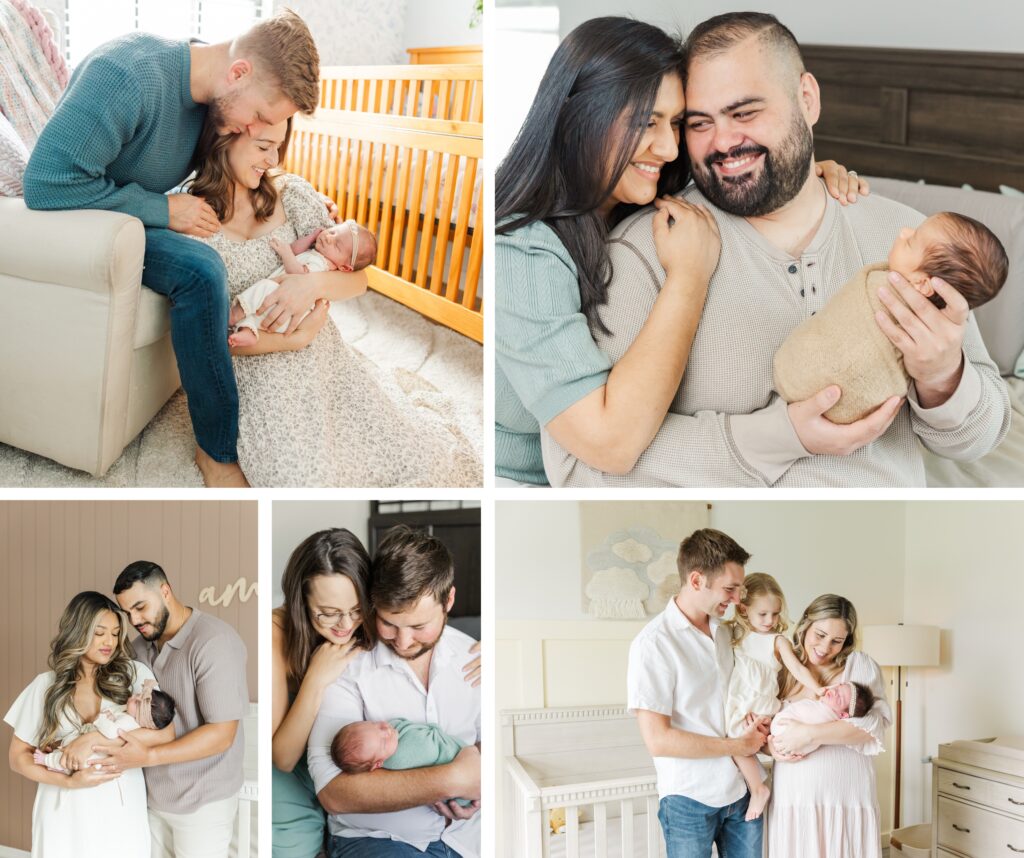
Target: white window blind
90, 23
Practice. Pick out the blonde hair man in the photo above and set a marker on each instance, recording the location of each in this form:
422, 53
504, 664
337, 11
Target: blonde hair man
123, 135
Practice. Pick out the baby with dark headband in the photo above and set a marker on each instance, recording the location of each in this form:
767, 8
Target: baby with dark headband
150, 709
341, 247
843, 344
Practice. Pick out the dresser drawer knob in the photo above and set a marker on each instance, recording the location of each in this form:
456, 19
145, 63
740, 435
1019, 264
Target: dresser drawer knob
1018, 803
960, 786
1014, 849
964, 830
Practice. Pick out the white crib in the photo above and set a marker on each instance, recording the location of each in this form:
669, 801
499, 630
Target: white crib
590, 761
244, 842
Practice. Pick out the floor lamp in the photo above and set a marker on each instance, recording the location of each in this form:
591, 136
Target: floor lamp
901, 646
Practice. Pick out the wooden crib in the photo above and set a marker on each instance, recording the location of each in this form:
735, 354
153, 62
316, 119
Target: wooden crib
590, 761
399, 148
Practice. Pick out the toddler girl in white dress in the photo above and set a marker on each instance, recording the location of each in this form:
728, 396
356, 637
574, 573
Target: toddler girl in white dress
758, 648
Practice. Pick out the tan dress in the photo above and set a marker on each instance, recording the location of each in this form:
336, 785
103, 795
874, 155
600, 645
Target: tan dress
325, 415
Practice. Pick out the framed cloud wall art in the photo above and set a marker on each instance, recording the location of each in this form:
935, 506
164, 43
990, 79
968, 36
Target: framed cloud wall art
629, 554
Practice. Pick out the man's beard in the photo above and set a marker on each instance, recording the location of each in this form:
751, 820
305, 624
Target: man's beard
754, 194
424, 648
216, 113
158, 626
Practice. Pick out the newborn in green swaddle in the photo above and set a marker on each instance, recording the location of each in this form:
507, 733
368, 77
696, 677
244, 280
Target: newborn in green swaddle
844, 345
363, 746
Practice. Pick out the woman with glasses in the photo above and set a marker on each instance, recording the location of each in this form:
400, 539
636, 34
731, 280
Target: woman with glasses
324, 624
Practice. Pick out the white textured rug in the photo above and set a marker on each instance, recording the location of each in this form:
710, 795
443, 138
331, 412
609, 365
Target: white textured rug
390, 335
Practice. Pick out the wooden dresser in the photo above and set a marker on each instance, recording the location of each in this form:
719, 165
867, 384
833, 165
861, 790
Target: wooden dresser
978, 799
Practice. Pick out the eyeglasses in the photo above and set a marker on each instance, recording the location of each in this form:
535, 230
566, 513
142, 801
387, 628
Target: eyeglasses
332, 618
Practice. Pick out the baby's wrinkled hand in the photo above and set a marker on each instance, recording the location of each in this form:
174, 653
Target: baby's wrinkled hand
277, 245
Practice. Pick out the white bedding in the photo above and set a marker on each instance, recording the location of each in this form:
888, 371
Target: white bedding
557, 843
1004, 466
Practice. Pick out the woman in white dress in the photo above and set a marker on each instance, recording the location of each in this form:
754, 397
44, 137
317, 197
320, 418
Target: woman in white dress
312, 410
89, 813
824, 800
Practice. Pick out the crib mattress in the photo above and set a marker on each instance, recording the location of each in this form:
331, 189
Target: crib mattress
559, 849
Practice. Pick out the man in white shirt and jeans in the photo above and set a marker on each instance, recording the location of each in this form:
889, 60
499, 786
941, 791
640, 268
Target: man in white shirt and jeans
679, 668
414, 672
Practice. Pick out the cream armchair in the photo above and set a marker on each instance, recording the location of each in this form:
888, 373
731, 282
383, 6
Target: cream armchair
85, 356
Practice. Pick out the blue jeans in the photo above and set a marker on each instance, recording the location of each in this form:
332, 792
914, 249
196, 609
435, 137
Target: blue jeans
380, 847
691, 827
193, 278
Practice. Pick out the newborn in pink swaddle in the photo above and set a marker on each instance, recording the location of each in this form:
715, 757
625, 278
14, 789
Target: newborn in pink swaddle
846, 700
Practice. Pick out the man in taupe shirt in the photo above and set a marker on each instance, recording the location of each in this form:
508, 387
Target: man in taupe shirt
787, 247
199, 660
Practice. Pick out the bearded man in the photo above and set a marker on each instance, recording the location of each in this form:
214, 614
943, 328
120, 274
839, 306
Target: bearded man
413, 672
787, 247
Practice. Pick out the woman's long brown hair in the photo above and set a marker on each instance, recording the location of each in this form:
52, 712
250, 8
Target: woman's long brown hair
827, 607
113, 680
329, 552
214, 181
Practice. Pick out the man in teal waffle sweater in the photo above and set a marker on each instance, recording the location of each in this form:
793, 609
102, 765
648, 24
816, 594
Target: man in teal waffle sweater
124, 134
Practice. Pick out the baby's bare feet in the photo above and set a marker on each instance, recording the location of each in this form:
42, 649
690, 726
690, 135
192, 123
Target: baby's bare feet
758, 801
243, 337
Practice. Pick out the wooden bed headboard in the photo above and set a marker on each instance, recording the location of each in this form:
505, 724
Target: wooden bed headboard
947, 117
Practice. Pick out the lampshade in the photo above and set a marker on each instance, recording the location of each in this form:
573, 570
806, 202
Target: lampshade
902, 646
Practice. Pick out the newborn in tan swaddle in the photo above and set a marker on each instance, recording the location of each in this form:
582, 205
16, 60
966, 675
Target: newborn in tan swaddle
843, 344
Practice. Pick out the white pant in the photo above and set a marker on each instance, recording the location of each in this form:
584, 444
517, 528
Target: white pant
204, 833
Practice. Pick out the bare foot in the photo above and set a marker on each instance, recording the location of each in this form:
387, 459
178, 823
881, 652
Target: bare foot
219, 475
235, 314
243, 337
758, 801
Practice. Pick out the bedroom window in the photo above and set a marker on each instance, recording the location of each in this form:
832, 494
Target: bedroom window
209, 20
527, 37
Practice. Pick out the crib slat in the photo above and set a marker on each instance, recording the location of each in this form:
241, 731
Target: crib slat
572, 832
476, 258
459, 105
343, 186
352, 181
627, 827
377, 158
653, 828
600, 830
415, 209
384, 238
444, 223
461, 229
429, 207
365, 168
443, 100
401, 209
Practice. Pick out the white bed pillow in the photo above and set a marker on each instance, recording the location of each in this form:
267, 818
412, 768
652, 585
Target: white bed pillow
13, 160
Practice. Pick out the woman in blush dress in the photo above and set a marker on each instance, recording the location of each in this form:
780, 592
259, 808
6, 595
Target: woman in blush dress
824, 798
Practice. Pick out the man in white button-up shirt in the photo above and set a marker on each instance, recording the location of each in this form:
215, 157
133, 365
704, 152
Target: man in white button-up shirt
679, 668
413, 672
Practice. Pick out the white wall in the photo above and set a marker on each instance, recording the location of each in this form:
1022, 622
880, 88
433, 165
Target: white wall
965, 574
983, 25
855, 549
295, 520
440, 23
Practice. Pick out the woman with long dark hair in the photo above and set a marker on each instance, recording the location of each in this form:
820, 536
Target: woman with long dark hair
601, 138
312, 411
89, 812
325, 622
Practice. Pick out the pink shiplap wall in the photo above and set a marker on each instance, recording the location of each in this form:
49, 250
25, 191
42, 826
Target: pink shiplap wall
50, 550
